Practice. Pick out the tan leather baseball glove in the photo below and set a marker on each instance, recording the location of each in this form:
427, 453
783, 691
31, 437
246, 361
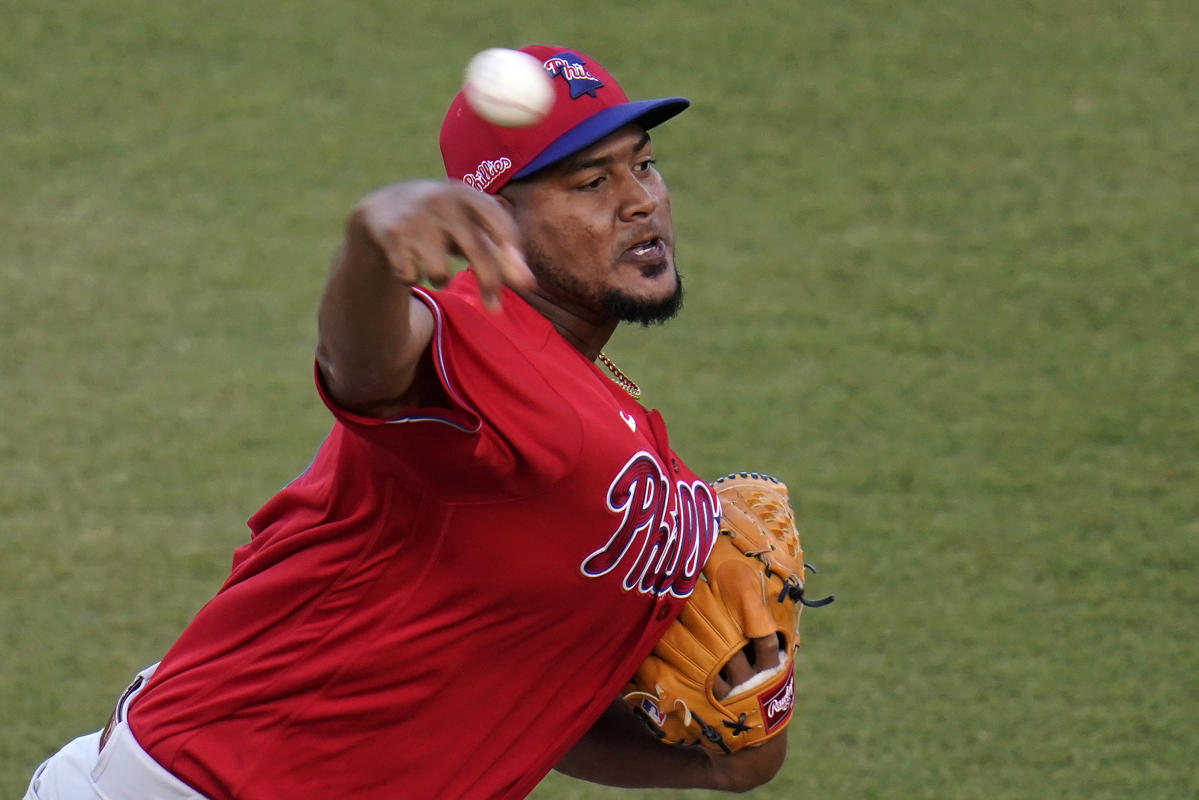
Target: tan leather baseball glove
723, 673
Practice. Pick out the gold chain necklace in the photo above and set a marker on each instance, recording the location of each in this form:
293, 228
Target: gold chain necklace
621, 380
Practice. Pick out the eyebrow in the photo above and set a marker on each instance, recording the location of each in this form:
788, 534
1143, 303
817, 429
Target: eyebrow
578, 165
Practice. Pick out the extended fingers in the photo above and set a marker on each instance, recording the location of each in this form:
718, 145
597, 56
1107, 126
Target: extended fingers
766, 652
420, 226
386, 220
423, 252
487, 236
738, 670
485, 250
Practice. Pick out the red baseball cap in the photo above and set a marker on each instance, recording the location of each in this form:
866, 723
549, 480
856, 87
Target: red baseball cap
588, 105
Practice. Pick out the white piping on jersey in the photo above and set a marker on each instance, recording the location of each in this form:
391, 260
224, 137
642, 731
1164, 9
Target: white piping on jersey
439, 363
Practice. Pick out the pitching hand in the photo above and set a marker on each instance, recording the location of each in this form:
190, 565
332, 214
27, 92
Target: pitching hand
420, 226
738, 670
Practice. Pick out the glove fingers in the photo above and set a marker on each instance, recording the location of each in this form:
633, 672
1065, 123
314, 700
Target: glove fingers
786, 617
700, 631
757, 515
742, 590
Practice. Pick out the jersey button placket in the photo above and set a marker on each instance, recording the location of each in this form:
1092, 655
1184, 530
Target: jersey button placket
663, 611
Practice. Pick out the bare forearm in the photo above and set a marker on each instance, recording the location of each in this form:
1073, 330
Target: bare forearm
367, 348
619, 751
373, 334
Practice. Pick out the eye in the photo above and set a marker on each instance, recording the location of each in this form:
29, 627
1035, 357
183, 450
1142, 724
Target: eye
645, 164
594, 183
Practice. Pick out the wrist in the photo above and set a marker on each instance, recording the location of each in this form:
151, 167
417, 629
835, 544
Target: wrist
748, 768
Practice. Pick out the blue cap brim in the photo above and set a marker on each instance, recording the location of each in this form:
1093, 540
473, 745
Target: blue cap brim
646, 113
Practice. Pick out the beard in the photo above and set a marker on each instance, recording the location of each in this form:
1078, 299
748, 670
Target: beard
621, 305
627, 308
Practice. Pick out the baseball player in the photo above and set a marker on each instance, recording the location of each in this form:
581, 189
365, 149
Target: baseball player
448, 601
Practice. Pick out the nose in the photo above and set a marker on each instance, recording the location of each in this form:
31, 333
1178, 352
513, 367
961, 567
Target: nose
637, 198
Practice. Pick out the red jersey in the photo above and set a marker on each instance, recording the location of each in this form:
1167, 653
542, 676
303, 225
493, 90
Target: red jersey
442, 603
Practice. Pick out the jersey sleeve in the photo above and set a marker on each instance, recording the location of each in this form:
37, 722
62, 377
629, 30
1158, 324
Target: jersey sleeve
489, 441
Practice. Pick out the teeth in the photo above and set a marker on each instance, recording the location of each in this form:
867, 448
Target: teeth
642, 249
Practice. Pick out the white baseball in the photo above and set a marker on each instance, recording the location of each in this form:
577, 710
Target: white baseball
508, 88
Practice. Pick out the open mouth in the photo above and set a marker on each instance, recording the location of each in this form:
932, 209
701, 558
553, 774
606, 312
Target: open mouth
649, 251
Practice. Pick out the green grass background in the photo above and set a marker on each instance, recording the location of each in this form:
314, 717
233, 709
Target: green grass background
942, 266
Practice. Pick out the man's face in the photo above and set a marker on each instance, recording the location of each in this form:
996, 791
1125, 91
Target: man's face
597, 231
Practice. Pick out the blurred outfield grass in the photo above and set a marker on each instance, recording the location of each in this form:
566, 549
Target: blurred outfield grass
942, 266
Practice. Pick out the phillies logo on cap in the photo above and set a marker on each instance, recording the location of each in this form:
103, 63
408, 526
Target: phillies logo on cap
571, 68
777, 702
486, 172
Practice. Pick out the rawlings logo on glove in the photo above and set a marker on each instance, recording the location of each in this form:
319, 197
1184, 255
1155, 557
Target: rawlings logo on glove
777, 704
713, 677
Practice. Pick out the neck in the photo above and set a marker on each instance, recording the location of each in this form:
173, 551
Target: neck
586, 332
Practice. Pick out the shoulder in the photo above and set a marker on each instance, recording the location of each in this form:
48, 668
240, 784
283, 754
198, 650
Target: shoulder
461, 305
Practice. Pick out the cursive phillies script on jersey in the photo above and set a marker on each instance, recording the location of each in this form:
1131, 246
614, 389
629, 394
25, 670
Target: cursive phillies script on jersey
666, 530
